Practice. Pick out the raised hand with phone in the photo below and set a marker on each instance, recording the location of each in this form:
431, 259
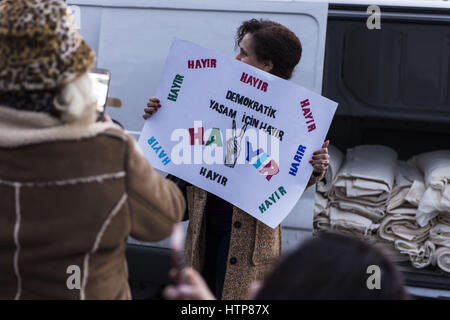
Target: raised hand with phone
101, 79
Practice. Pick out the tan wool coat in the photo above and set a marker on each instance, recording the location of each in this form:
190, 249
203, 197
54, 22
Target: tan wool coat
254, 247
70, 194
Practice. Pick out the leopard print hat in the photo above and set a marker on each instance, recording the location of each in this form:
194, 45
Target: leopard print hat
40, 48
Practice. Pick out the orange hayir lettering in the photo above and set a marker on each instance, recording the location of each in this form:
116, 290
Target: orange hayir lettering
305, 103
190, 64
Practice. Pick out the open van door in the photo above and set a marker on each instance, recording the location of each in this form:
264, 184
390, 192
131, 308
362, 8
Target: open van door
392, 86
132, 39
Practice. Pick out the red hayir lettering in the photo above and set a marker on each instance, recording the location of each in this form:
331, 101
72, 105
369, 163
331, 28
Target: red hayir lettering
305, 103
311, 127
306, 111
254, 82
264, 86
196, 136
270, 169
244, 77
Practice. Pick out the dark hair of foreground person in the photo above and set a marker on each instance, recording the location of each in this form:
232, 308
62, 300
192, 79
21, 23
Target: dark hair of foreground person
333, 266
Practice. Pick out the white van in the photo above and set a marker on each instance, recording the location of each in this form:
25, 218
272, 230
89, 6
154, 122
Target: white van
407, 60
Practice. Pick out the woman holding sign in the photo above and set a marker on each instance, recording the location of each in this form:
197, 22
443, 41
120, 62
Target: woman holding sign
228, 246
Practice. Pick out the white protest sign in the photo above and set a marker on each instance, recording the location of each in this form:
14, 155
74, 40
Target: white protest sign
238, 132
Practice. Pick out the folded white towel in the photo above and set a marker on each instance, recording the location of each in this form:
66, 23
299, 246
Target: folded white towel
408, 188
444, 218
366, 176
436, 168
432, 203
361, 190
406, 174
388, 248
345, 230
441, 258
440, 235
415, 193
321, 223
404, 211
340, 219
373, 213
336, 159
397, 199
420, 255
403, 227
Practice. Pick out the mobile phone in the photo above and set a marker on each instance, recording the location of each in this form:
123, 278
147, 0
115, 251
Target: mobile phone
176, 245
100, 80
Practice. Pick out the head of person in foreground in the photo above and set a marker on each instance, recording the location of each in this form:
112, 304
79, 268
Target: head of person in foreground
329, 267
334, 266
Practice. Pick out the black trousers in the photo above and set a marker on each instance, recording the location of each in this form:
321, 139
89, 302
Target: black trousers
218, 234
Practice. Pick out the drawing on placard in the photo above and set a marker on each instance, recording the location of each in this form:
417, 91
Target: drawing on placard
233, 146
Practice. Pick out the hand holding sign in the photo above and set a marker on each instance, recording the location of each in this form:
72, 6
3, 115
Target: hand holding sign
152, 106
321, 160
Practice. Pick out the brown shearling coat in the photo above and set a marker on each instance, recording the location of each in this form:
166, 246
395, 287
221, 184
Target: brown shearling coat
254, 246
73, 201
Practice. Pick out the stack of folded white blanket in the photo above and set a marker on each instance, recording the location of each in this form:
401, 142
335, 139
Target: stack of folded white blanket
351, 223
408, 189
421, 255
401, 207
441, 258
365, 181
400, 226
352, 198
440, 236
408, 238
403, 227
436, 199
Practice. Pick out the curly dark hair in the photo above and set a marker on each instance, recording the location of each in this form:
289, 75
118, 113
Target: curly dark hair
273, 41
